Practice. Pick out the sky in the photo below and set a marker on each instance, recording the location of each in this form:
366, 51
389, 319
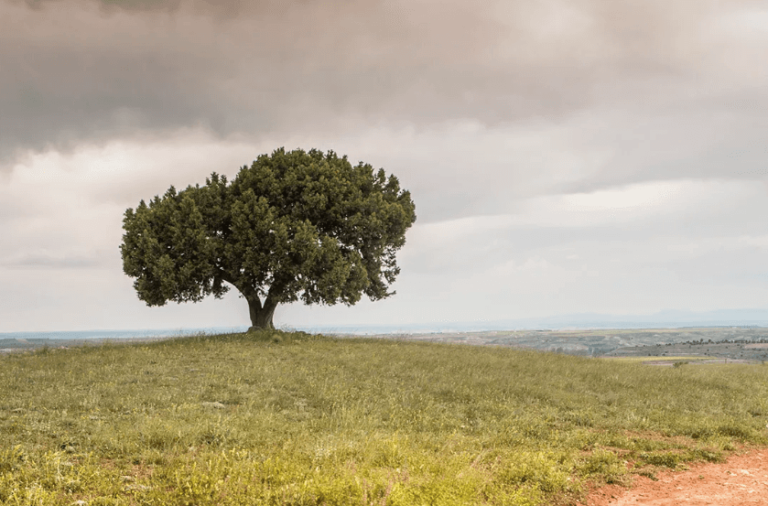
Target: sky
565, 156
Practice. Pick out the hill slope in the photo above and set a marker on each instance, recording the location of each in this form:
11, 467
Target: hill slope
277, 418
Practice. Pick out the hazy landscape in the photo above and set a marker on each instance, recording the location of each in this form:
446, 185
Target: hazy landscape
720, 342
716, 343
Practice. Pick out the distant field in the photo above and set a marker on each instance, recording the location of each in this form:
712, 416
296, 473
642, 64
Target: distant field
659, 359
733, 343
278, 418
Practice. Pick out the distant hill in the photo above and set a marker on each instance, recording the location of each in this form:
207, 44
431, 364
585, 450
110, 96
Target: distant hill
661, 319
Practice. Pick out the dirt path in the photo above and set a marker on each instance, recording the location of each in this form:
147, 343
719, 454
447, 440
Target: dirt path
742, 480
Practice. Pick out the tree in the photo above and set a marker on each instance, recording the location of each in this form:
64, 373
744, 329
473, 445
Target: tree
293, 226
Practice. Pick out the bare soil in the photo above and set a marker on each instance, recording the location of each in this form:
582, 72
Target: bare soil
742, 480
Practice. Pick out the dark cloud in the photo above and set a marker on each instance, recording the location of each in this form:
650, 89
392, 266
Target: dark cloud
88, 71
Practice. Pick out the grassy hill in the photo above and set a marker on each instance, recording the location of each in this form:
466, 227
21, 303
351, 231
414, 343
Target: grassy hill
277, 418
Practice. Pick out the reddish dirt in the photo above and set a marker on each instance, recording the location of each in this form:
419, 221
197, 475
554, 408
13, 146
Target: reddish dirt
742, 480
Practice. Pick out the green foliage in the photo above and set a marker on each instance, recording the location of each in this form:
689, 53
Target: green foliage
272, 418
293, 226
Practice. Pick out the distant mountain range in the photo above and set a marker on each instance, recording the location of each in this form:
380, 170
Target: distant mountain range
661, 319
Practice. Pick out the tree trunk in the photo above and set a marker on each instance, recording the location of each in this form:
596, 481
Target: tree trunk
261, 315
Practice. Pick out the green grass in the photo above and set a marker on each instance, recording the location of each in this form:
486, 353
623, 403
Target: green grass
278, 418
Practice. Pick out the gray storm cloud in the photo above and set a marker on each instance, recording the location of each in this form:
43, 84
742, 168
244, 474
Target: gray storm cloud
85, 71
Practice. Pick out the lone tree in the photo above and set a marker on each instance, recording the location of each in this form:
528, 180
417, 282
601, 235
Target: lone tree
293, 226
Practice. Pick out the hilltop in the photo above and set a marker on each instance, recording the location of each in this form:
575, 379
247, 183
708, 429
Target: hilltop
291, 418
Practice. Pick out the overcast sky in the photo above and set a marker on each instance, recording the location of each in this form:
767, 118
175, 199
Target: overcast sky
564, 156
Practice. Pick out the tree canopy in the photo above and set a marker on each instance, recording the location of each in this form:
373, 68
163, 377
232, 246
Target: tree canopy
293, 226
